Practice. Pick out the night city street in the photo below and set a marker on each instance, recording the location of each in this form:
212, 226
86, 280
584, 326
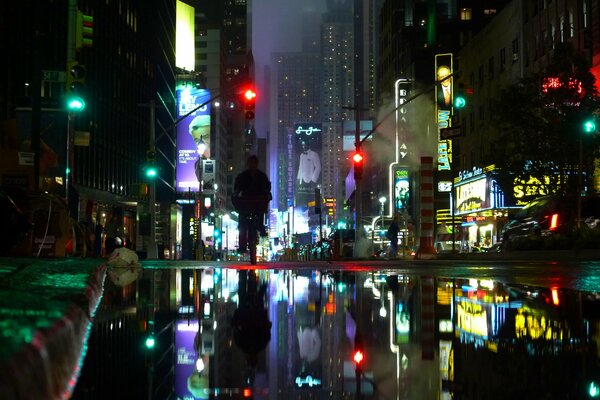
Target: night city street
315, 199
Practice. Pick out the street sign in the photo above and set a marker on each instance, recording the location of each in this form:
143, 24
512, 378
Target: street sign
450, 133
53, 76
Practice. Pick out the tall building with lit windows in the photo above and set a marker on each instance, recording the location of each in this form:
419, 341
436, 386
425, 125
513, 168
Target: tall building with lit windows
130, 62
337, 91
224, 59
296, 87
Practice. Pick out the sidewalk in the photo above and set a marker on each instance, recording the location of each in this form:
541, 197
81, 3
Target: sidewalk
46, 312
551, 255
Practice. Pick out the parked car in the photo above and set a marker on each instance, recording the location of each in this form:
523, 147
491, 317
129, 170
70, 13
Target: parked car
550, 215
342, 242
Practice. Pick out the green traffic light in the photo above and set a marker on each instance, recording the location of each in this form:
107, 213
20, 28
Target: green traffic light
150, 342
594, 390
589, 126
151, 172
76, 104
459, 101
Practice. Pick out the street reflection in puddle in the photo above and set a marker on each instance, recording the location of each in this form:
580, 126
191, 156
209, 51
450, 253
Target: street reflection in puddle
280, 334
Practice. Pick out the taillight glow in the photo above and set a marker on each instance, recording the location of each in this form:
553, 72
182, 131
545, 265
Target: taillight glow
554, 222
555, 299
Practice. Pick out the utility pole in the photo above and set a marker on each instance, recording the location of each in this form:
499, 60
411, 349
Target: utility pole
71, 26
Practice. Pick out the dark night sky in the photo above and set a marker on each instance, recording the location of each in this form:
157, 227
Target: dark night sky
276, 27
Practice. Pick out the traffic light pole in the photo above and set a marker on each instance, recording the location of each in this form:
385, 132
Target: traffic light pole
152, 249
358, 190
357, 183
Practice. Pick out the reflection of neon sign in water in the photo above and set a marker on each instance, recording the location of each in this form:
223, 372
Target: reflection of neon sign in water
472, 318
402, 324
539, 327
309, 380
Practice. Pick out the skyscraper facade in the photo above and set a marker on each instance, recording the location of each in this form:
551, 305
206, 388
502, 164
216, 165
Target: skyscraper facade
337, 91
296, 88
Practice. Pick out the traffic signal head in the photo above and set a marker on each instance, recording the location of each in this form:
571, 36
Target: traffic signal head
358, 357
85, 30
460, 100
589, 125
249, 100
357, 161
150, 342
151, 170
75, 86
250, 95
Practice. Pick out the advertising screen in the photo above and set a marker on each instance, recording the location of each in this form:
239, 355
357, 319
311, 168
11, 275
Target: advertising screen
307, 156
444, 96
184, 36
401, 188
472, 196
193, 135
349, 128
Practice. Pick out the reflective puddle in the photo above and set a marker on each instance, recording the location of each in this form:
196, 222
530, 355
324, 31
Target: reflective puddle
281, 334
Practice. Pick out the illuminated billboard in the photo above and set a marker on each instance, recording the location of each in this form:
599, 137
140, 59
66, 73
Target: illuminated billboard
184, 37
472, 196
444, 95
475, 190
307, 149
349, 129
193, 135
401, 188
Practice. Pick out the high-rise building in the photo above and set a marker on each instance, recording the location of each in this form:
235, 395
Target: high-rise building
224, 59
296, 89
337, 91
111, 135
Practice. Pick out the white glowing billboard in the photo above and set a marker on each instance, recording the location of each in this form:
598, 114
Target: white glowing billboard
184, 37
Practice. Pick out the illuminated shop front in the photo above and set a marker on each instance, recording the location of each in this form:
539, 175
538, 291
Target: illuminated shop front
481, 204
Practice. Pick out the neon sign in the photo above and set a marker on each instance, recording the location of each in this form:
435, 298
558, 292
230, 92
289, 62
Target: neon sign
472, 196
444, 155
309, 380
554, 83
526, 189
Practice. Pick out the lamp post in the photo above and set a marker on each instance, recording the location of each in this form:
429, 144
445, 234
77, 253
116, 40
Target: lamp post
382, 201
225, 232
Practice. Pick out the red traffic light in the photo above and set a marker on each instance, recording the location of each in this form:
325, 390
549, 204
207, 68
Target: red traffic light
358, 357
357, 158
249, 99
250, 95
247, 392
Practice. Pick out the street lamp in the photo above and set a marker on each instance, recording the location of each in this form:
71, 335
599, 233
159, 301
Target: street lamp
382, 201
